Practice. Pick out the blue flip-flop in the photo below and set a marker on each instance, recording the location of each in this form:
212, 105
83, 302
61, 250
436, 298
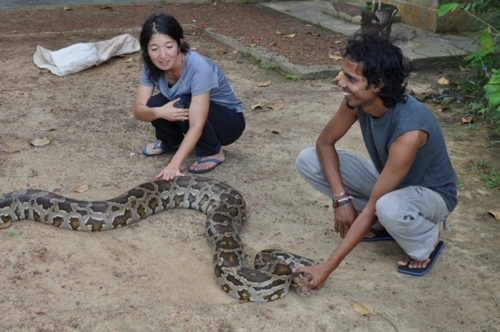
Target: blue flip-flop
201, 171
418, 272
157, 149
381, 235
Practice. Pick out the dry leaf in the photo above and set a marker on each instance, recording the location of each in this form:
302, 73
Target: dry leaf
308, 25
81, 189
443, 108
266, 83
338, 77
334, 57
316, 34
291, 35
467, 120
272, 44
40, 141
277, 107
106, 7
413, 74
495, 214
220, 52
253, 45
256, 106
362, 309
443, 81
128, 60
277, 131
67, 8
257, 92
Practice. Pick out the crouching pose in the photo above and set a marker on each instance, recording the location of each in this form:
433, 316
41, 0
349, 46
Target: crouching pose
195, 108
407, 186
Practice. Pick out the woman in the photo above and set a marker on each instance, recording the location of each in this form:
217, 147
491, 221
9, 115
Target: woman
195, 109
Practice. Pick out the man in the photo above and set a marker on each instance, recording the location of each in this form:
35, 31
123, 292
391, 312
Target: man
407, 188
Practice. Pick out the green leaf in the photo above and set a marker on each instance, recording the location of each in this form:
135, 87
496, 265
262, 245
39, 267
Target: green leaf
494, 100
12, 234
486, 40
444, 9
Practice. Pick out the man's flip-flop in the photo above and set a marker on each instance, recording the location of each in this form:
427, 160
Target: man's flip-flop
421, 271
157, 149
199, 161
381, 235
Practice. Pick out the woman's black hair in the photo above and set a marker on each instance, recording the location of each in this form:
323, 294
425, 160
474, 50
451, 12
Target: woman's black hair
165, 25
383, 64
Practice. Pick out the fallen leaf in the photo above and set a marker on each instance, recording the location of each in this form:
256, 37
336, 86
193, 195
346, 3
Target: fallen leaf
334, 57
338, 77
443, 81
128, 60
253, 45
67, 8
277, 131
291, 35
81, 189
272, 44
413, 74
277, 107
266, 83
105, 7
316, 34
467, 120
256, 106
443, 108
362, 309
12, 234
257, 92
495, 214
40, 141
220, 52
308, 25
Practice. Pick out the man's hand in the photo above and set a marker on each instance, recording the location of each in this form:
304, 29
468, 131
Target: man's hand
344, 217
319, 273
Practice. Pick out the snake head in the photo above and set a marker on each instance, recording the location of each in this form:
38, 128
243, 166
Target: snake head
302, 283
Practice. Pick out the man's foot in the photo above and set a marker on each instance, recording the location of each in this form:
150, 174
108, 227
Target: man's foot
206, 164
374, 235
419, 268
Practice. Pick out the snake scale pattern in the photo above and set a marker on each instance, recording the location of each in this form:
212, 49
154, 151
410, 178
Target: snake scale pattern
224, 206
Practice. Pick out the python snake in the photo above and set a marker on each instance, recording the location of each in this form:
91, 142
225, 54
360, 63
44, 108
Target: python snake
224, 206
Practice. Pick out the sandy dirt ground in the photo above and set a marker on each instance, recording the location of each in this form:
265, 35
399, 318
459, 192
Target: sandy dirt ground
157, 275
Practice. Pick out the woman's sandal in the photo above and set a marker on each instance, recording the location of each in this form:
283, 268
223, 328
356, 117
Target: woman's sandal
155, 151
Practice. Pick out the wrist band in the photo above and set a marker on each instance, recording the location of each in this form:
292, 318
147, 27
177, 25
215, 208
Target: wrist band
341, 200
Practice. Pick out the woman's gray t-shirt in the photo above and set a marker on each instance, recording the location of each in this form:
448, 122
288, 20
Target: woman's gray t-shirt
199, 75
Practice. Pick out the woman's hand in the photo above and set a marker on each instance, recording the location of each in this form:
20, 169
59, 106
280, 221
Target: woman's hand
171, 113
344, 217
169, 173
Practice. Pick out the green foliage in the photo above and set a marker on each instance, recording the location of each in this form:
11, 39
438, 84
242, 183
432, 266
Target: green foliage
483, 86
268, 65
292, 77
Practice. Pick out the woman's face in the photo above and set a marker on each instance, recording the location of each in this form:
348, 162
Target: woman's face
163, 51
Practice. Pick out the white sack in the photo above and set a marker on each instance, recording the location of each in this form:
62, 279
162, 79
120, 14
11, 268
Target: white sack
78, 57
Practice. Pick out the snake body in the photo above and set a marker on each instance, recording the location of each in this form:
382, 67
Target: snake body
224, 206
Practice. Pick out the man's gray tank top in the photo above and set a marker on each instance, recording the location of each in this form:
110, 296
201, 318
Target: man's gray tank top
432, 166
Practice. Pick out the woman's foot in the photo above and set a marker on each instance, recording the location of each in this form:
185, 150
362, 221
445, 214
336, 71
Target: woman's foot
206, 164
153, 149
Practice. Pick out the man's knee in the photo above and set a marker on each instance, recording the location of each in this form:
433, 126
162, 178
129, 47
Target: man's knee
390, 208
305, 160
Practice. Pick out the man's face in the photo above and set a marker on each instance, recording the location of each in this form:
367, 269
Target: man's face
354, 86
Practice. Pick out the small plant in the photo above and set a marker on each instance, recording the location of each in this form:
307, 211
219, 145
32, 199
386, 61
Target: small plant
292, 77
268, 65
483, 88
487, 173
